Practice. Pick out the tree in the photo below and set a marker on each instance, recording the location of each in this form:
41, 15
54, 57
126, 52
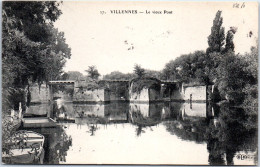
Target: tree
236, 77
216, 41
92, 72
139, 71
187, 68
217, 36
32, 49
229, 40
153, 73
251, 89
75, 75
65, 76
116, 75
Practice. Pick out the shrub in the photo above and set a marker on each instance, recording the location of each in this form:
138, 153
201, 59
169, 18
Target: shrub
145, 82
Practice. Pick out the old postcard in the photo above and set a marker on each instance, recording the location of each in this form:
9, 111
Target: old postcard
130, 83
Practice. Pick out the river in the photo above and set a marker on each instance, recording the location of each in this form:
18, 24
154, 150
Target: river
156, 133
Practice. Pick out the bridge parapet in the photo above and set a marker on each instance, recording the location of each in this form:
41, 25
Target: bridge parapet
64, 82
114, 81
169, 82
60, 82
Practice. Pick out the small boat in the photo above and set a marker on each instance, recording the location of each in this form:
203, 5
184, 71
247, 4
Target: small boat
26, 147
38, 122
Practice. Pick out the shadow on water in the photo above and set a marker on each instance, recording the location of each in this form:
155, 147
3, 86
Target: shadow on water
228, 132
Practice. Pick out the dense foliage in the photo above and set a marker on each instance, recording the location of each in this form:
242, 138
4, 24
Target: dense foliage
217, 36
93, 72
119, 89
32, 49
73, 75
139, 71
138, 84
187, 68
116, 75
234, 76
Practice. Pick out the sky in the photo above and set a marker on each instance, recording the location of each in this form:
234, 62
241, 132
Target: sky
116, 42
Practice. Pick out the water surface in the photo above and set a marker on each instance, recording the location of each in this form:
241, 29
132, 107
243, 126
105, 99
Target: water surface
157, 133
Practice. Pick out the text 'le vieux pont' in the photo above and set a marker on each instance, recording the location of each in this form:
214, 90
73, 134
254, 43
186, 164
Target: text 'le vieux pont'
137, 12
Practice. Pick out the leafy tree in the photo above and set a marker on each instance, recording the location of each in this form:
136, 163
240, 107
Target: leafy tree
234, 76
229, 40
116, 75
36, 53
251, 89
217, 36
74, 75
139, 71
252, 63
187, 68
32, 49
65, 76
216, 41
138, 84
153, 73
93, 72
31, 17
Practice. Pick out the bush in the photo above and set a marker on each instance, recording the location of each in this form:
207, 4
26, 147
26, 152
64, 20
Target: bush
138, 84
251, 96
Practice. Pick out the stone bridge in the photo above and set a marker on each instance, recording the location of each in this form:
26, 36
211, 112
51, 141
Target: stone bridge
116, 90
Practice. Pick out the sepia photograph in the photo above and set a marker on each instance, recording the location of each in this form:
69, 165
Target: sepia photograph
129, 83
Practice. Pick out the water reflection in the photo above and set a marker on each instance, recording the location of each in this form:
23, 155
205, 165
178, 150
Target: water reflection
230, 133
191, 122
219, 134
144, 115
39, 110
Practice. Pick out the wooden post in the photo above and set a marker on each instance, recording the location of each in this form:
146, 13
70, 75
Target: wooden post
20, 110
